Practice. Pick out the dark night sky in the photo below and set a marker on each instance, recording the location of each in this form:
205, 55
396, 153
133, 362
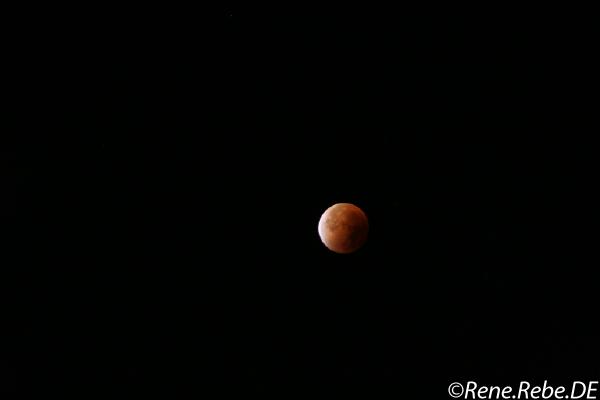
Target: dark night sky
171, 225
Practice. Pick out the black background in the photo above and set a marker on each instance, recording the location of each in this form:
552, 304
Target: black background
170, 210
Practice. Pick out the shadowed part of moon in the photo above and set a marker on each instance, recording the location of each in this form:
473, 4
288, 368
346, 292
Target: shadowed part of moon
343, 228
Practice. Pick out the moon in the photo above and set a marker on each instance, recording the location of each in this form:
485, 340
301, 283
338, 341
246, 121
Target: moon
343, 228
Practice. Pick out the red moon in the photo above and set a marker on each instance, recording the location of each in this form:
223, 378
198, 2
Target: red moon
343, 228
